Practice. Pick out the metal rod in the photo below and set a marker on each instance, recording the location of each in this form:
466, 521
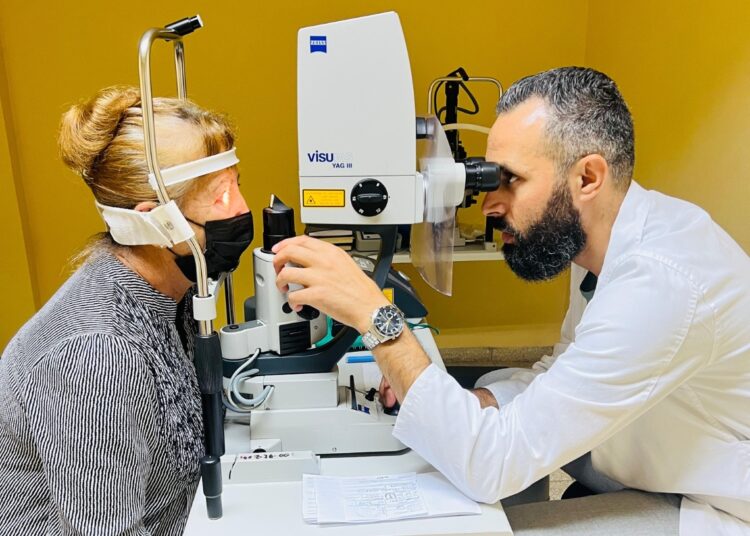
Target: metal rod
229, 297
205, 327
179, 62
207, 351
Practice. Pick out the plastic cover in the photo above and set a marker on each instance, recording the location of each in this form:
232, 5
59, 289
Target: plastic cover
432, 240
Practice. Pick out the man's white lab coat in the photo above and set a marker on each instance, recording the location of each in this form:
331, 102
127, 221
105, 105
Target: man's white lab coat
654, 381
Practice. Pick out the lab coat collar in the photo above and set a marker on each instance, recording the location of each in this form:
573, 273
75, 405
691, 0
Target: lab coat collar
627, 231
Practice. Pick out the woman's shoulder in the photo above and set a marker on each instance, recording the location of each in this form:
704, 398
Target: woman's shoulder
99, 304
91, 363
102, 296
93, 352
82, 303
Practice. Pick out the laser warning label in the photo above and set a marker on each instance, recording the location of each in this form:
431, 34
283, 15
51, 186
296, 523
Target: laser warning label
323, 198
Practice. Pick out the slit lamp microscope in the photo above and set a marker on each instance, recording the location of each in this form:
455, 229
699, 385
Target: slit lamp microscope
357, 138
368, 164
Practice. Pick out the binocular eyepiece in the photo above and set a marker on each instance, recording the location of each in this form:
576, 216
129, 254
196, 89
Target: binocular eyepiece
481, 176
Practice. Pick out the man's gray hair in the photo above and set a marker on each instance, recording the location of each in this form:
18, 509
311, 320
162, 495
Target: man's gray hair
587, 115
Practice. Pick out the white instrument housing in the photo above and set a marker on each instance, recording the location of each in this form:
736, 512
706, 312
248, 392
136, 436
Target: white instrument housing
355, 94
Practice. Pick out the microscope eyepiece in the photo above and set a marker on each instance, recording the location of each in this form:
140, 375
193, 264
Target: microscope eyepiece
481, 176
278, 223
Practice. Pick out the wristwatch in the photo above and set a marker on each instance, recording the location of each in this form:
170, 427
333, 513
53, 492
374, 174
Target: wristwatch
387, 323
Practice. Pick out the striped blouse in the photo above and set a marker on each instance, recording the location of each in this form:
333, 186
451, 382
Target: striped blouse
100, 412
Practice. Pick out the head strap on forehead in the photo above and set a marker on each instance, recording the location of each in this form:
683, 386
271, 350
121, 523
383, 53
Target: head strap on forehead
196, 168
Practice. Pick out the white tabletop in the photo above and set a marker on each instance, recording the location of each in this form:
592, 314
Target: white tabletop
275, 509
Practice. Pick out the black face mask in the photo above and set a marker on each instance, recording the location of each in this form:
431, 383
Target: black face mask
226, 240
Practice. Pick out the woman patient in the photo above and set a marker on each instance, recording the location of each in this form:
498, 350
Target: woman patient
101, 429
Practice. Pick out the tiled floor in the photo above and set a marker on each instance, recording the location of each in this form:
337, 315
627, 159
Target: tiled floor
498, 357
558, 482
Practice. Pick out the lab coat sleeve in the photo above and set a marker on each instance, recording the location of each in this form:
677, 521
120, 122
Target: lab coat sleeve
640, 337
506, 384
90, 413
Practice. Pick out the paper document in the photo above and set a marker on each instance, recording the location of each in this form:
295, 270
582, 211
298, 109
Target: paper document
331, 499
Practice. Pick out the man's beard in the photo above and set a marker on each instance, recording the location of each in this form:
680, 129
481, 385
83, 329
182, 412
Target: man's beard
549, 246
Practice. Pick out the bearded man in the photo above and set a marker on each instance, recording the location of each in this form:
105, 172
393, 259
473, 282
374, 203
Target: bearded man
646, 397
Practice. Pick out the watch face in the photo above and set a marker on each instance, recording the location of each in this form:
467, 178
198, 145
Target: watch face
389, 321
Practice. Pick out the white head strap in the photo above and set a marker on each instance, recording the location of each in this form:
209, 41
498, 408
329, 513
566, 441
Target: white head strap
196, 168
165, 225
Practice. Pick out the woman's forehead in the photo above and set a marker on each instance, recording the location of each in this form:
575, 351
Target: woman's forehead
218, 182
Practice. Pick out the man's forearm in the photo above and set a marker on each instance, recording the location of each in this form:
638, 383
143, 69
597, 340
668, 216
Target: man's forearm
401, 361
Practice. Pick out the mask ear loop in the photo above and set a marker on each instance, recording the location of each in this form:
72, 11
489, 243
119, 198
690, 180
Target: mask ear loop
202, 226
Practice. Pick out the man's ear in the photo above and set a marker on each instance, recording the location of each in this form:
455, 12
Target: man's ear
591, 173
146, 206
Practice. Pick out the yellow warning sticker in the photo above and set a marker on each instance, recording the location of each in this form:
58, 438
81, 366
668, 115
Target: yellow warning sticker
323, 198
388, 294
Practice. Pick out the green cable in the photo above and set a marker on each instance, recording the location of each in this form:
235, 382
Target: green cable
358, 344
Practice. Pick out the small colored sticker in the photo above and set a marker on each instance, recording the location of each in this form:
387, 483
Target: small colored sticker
323, 198
388, 292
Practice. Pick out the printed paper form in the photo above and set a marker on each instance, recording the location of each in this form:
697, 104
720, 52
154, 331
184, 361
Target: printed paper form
329, 499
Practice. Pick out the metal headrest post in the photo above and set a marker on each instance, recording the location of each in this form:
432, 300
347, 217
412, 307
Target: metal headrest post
207, 357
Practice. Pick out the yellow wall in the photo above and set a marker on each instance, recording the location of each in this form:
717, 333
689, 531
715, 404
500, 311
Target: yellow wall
684, 68
244, 63
16, 287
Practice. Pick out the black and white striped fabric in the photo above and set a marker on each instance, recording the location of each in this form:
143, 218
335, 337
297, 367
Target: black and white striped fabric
100, 412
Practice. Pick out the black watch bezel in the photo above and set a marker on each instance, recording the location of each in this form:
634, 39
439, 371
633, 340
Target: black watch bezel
379, 318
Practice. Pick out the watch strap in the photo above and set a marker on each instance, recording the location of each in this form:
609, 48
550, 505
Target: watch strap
369, 340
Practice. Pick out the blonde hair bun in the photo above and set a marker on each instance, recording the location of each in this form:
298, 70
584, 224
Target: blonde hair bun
88, 128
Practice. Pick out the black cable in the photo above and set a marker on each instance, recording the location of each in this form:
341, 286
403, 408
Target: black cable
473, 101
440, 111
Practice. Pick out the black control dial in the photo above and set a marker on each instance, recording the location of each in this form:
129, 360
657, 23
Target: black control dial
309, 313
369, 197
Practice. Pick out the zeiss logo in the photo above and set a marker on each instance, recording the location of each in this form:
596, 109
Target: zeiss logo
318, 44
